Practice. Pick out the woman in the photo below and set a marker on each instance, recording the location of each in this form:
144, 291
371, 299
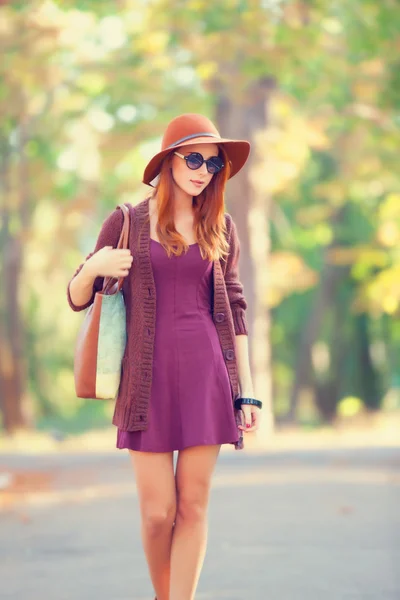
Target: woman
186, 382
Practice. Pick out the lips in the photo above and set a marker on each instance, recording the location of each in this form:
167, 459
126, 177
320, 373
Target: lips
197, 182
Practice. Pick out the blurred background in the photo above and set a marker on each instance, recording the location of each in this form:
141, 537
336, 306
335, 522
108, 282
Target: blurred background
87, 88
86, 91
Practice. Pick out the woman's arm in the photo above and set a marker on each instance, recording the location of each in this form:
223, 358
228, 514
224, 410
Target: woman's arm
243, 366
233, 284
81, 288
238, 306
83, 285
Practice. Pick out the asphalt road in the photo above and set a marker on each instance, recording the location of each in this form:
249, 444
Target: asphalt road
298, 525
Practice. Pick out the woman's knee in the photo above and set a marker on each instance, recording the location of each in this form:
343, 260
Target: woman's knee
192, 508
193, 477
157, 519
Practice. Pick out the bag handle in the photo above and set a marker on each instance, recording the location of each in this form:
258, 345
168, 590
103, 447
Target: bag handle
109, 285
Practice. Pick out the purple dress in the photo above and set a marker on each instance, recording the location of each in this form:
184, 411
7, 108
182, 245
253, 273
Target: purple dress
191, 401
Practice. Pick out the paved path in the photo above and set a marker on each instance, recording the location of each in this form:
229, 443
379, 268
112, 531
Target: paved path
296, 525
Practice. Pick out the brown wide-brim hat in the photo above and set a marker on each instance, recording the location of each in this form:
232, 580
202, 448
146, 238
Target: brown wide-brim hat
192, 128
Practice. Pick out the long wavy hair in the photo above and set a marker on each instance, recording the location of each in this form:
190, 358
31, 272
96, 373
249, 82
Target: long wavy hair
209, 212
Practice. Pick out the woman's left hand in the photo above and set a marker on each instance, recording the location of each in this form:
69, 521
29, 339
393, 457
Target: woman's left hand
251, 417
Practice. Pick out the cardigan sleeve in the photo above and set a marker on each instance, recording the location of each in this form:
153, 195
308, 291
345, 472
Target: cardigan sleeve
233, 284
108, 236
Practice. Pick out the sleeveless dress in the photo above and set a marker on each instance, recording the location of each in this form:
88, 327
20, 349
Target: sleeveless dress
191, 401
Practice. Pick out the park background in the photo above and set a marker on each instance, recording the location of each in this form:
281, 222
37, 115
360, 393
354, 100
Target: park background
86, 90
309, 509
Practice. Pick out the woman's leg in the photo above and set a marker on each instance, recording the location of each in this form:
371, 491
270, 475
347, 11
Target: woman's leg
194, 469
154, 474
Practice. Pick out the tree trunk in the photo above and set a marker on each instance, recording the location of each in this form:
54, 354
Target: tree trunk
12, 370
250, 210
324, 299
369, 381
327, 392
323, 302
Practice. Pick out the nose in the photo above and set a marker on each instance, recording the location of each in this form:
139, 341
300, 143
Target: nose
203, 169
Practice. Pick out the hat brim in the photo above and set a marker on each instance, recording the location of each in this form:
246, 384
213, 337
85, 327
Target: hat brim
237, 150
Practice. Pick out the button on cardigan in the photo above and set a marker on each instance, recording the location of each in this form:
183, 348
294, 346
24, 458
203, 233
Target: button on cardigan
229, 312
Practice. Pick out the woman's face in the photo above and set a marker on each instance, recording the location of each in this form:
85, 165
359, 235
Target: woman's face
184, 177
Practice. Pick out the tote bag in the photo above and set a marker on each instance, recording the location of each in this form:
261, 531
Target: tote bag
101, 340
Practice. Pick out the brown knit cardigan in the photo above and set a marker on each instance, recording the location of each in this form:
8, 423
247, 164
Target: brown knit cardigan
229, 306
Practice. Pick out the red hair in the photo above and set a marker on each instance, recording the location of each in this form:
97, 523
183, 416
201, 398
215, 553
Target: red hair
209, 209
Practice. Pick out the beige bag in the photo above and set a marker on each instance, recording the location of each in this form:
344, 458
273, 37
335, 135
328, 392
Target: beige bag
101, 340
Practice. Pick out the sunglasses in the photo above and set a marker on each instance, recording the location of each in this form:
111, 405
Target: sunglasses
194, 160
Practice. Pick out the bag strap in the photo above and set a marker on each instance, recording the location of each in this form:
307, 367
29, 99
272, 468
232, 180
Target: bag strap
109, 286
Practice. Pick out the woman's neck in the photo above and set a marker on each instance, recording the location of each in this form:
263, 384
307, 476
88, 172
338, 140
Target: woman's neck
182, 206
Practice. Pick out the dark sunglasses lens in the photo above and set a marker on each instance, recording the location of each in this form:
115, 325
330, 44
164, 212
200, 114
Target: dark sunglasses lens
215, 164
194, 160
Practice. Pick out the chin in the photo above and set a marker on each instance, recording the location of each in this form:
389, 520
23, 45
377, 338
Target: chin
192, 192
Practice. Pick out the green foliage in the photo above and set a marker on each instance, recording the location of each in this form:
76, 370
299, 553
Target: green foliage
85, 89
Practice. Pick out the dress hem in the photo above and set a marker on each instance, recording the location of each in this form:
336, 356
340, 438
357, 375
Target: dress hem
175, 449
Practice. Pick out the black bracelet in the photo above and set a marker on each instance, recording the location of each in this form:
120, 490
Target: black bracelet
252, 401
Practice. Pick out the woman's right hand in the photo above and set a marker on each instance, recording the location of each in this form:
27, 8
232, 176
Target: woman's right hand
110, 262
